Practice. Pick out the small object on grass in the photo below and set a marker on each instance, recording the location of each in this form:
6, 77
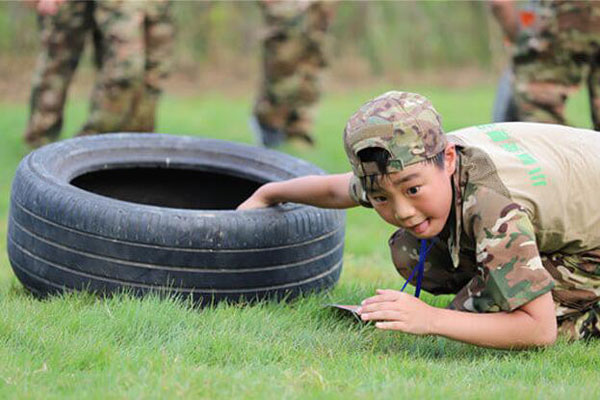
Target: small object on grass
349, 310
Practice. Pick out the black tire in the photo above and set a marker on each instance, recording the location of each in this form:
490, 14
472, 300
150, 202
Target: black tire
90, 214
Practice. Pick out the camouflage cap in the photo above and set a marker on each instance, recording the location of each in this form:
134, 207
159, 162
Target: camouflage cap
404, 124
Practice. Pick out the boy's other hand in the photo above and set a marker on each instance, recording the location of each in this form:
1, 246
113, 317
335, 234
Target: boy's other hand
258, 199
396, 310
252, 203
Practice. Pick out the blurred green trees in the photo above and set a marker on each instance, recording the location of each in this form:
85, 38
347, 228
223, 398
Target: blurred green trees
388, 35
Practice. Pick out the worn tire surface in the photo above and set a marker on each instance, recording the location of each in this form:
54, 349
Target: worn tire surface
62, 237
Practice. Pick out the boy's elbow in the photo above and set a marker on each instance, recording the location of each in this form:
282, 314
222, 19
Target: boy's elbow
540, 320
538, 339
547, 336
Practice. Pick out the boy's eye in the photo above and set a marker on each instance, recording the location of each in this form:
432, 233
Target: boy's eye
379, 199
413, 190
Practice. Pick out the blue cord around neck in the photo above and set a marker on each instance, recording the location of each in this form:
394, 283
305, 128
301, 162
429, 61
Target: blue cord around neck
419, 268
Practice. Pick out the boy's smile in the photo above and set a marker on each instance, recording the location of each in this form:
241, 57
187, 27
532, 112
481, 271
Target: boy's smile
418, 198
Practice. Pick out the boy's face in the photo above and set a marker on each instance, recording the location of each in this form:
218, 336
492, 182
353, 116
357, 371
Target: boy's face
418, 198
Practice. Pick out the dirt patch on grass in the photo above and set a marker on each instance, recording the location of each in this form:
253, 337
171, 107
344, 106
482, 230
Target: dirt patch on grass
241, 77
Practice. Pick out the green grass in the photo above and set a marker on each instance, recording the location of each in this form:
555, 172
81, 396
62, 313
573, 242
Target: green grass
80, 346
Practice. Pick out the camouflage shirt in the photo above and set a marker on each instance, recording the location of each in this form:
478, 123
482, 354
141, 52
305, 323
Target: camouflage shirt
497, 232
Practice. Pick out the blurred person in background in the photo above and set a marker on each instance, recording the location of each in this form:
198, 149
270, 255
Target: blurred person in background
556, 46
133, 44
294, 55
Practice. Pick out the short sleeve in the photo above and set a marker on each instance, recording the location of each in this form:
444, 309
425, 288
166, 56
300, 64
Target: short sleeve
509, 268
357, 192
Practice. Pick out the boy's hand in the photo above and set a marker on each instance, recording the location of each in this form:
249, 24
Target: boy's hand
252, 203
397, 311
258, 199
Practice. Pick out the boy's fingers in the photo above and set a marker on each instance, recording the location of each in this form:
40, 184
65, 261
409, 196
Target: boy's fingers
383, 295
385, 291
386, 315
370, 307
390, 292
376, 299
251, 204
389, 325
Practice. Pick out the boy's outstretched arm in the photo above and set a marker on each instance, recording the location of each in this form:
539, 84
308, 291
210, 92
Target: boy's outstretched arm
326, 191
531, 325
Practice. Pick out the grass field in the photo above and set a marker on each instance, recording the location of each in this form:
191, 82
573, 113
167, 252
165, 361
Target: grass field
79, 346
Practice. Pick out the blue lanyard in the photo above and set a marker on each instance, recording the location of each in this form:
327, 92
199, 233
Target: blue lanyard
419, 268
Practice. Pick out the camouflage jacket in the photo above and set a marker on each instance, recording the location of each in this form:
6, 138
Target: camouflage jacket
497, 233
527, 215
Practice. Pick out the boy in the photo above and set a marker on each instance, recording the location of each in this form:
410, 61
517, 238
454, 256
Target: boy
509, 210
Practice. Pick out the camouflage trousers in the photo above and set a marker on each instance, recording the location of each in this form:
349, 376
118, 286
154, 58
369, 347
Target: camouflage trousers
577, 292
552, 61
133, 46
294, 55
577, 281
544, 82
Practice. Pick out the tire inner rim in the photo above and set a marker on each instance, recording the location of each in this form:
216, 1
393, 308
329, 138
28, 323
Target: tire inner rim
172, 188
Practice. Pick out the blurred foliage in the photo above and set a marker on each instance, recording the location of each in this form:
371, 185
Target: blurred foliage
388, 35
18, 29
417, 34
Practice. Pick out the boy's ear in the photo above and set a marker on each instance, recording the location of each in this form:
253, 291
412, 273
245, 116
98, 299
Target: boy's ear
450, 159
